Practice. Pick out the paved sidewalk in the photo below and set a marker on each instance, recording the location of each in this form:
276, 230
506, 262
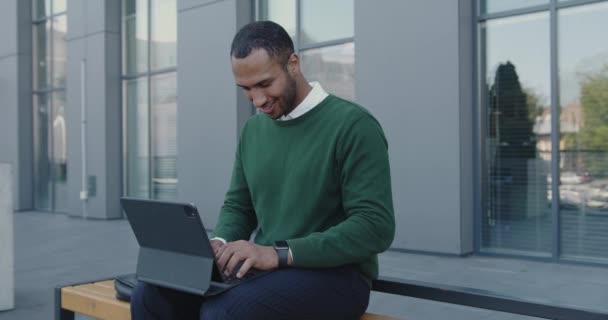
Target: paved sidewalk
53, 249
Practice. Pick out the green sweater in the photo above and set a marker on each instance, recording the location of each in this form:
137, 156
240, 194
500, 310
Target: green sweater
320, 181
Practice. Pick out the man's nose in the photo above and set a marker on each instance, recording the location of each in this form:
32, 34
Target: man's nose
258, 98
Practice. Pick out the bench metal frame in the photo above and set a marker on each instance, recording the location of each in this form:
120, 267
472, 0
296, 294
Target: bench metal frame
470, 297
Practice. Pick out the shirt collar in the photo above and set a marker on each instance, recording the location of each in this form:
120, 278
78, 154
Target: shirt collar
314, 97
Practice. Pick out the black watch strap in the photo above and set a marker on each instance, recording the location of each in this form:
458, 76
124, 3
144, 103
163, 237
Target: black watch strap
282, 249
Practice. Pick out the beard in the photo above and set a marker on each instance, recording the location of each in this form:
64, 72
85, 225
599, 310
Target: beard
289, 98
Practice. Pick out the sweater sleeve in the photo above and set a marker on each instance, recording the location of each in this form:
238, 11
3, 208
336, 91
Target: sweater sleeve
237, 219
369, 227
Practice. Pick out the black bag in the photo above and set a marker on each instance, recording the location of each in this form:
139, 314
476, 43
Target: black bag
124, 286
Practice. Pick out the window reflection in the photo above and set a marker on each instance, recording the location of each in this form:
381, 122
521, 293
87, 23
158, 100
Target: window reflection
282, 12
135, 37
42, 52
59, 6
49, 82
42, 168
333, 67
59, 50
163, 49
138, 147
41, 8
150, 98
164, 136
583, 183
59, 155
517, 216
326, 20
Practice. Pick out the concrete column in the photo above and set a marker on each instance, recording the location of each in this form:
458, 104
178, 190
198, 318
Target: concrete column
414, 67
211, 110
16, 93
7, 249
94, 37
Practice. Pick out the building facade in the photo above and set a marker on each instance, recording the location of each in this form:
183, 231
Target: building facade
105, 98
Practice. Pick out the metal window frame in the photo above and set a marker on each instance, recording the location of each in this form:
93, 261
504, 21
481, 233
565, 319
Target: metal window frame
49, 91
148, 74
298, 45
552, 8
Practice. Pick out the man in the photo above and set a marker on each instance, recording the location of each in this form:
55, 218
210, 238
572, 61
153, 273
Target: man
312, 176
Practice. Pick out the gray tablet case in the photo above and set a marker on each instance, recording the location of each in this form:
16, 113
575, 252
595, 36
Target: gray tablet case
174, 248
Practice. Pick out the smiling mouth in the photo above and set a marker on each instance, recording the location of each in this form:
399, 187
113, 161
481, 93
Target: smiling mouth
268, 108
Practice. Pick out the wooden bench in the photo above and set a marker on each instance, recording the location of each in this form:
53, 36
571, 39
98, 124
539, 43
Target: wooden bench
98, 300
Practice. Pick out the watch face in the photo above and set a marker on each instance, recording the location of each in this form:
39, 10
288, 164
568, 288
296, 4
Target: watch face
281, 245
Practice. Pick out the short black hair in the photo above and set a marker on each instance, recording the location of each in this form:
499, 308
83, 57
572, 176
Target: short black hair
265, 35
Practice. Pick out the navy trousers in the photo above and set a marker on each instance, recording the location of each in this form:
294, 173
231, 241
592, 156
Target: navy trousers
291, 293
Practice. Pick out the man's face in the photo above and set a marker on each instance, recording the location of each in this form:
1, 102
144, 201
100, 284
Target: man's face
266, 83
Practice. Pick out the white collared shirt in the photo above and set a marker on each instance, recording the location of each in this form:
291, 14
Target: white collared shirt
314, 97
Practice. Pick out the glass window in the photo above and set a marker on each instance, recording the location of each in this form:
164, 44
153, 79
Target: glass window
137, 135
517, 135
326, 20
163, 49
583, 84
59, 50
282, 12
42, 52
150, 98
493, 6
41, 8
42, 159
59, 152
49, 81
331, 64
164, 136
135, 37
59, 6
333, 67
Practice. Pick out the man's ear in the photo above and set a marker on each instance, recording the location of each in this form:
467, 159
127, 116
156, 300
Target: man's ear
293, 64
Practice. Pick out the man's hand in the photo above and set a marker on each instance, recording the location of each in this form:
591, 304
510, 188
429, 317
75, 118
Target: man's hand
216, 245
255, 256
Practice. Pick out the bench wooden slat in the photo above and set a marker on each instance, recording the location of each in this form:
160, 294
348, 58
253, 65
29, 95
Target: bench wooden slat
95, 289
98, 300
373, 316
106, 284
94, 305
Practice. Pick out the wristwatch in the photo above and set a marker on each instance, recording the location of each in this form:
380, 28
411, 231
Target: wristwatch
282, 249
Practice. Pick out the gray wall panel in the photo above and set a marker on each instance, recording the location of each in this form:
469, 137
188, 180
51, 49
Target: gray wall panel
466, 64
15, 90
77, 18
8, 13
24, 169
8, 120
207, 104
93, 16
75, 53
96, 121
113, 116
407, 74
113, 18
103, 147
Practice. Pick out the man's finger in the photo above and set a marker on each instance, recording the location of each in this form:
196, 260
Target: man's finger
245, 268
224, 256
220, 251
234, 260
216, 245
